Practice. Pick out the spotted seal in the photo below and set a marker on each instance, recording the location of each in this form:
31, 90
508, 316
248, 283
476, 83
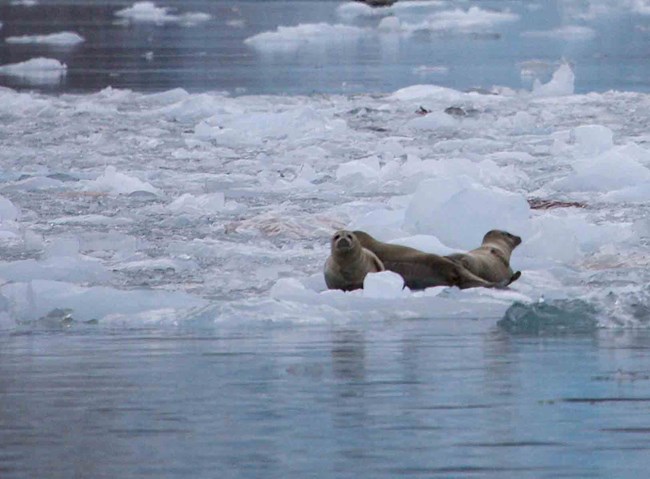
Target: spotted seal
349, 262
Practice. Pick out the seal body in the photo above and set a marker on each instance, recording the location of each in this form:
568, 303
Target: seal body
421, 270
349, 262
491, 260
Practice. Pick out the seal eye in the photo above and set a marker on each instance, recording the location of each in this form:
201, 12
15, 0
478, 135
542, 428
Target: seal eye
337, 237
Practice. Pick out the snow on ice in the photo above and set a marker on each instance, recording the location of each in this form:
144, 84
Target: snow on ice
125, 207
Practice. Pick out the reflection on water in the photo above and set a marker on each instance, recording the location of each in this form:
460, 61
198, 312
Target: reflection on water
416, 399
608, 53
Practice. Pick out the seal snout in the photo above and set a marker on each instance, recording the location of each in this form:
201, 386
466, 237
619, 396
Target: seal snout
343, 241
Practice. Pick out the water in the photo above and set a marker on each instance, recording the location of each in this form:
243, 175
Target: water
212, 55
162, 311
407, 399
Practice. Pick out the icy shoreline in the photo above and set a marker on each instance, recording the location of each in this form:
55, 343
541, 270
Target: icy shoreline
172, 207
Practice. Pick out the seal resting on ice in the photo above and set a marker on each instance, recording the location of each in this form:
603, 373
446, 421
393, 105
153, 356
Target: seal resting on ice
421, 270
491, 260
349, 262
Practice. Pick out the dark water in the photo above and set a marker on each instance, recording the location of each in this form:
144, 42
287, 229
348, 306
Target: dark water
405, 399
212, 55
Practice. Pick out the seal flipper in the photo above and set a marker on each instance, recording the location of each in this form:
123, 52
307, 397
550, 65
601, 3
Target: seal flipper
514, 277
507, 282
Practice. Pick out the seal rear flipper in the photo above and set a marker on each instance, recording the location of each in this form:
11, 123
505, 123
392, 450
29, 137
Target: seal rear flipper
514, 277
507, 282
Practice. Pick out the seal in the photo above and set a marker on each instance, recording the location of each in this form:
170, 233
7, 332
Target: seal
349, 262
491, 260
421, 270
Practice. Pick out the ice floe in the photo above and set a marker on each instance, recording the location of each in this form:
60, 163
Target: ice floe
562, 83
125, 207
305, 35
36, 70
149, 12
567, 32
59, 39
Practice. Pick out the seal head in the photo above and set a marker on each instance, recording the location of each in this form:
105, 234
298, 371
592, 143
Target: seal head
491, 260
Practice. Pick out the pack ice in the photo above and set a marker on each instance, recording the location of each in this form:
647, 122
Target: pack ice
128, 208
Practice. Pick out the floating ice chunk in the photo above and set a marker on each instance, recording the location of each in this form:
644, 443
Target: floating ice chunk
427, 92
351, 10
566, 33
292, 301
431, 193
8, 211
286, 288
292, 38
34, 299
58, 268
592, 140
194, 18
189, 108
544, 242
381, 223
149, 12
61, 261
522, 122
364, 169
37, 70
389, 24
63, 246
425, 70
473, 19
426, 243
108, 244
561, 84
145, 12
236, 23
166, 98
60, 39
386, 284
25, 3
114, 182
635, 152
460, 219
34, 184
199, 205
612, 170
254, 128
632, 194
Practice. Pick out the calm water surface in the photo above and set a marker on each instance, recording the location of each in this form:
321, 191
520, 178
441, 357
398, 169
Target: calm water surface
405, 399
212, 55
